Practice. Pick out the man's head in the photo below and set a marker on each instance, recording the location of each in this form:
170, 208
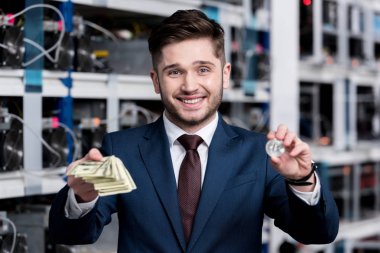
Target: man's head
185, 25
189, 68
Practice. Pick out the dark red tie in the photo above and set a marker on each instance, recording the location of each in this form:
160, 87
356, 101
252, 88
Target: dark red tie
189, 181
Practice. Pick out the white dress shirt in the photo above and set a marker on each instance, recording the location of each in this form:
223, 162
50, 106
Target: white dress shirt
74, 210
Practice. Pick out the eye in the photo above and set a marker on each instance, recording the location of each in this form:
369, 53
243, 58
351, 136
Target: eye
174, 72
203, 70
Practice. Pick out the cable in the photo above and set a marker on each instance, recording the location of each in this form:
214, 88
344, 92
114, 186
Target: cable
101, 29
148, 115
75, 140
14, 232
40, 138
39, 47
260, 125
43, 51
4, 46
59, 41
60, 38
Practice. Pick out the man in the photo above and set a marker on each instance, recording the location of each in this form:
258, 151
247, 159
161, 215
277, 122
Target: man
239, 183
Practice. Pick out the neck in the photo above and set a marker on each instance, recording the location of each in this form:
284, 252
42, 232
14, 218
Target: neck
189, 128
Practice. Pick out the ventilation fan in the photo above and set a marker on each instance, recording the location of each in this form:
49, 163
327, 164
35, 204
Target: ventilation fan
85, 58
12, 38
11, 143
57, 139
66, 51
91, 138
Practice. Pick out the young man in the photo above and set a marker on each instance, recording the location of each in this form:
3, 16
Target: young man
237, 182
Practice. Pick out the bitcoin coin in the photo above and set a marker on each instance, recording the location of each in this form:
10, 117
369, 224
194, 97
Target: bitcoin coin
274, 147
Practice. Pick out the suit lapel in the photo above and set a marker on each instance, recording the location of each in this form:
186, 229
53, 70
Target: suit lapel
156, 156
220, 165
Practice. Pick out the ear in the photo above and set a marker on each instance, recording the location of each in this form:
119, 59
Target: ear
226, 75
156, 82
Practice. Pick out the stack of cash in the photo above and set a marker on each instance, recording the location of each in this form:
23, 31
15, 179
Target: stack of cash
109, 175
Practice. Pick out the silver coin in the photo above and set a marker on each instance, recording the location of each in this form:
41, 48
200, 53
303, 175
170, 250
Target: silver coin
275, 148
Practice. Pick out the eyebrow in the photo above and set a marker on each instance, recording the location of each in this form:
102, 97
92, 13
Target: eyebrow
176, 65
203, 63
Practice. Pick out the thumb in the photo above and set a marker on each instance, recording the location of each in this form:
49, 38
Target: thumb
94, 155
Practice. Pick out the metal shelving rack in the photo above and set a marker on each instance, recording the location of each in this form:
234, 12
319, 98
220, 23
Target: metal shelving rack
344, 69
287, 71
111, 87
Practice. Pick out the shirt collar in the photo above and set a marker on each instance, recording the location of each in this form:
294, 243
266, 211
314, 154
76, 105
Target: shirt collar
206, 133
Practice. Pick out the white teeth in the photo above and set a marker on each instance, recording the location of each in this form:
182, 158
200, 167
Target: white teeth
191, 101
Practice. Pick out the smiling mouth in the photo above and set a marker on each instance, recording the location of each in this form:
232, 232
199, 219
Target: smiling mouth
191, 101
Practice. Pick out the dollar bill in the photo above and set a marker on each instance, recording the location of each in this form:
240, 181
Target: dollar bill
109, 176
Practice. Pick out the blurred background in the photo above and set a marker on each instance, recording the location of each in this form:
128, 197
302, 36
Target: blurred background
72, 70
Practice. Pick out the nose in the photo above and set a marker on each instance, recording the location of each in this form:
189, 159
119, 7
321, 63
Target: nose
190, 82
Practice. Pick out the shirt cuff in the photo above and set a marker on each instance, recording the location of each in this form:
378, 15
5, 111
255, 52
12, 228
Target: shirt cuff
310, 198
75, 210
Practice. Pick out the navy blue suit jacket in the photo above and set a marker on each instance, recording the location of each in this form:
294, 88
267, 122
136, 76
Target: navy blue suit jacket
239, 187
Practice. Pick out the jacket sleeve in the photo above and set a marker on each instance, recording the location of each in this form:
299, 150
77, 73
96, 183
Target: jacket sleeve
86, 229
307, 224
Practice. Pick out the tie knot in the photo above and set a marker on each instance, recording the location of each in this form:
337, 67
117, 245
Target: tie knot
190, 141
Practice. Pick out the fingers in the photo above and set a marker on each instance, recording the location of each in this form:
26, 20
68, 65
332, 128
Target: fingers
283, 134
83, 191
292, 143
75, 182
280, 133
71, 165
299, 149
83, 188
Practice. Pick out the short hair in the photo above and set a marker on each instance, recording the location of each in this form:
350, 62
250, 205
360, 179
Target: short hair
184, 25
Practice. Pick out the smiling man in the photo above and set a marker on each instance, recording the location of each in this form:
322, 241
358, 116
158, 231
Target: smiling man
191, 78
203, 186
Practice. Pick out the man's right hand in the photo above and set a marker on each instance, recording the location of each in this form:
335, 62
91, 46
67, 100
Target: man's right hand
84, 192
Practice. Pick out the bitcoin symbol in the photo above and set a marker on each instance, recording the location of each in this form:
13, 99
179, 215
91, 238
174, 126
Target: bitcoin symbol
275, 148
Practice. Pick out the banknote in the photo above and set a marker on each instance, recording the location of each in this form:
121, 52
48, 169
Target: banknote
109, 176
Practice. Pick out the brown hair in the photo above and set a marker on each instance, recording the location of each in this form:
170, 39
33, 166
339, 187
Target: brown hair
184, 25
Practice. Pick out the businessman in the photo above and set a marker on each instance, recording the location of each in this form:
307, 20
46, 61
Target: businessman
203, 186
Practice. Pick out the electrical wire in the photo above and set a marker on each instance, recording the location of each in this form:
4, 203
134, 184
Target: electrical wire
59, 41
39, 47
133, 108
14, 232
260, 125
60, 38
75, 140
101, 29
4, 46
43, 51
146, 113
39, 137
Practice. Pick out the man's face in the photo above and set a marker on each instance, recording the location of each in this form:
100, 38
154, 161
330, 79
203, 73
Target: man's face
190, 80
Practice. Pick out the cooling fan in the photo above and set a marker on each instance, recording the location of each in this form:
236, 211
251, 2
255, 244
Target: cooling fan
57, 139
11, 143
66, 52
91, 138
85, 58
12, 38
